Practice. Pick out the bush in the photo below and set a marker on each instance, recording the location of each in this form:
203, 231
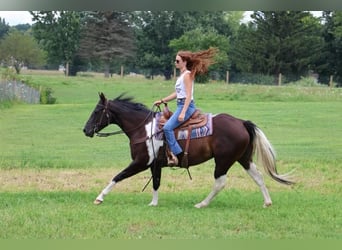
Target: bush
252, 78
46, 96
9, 74
306, 82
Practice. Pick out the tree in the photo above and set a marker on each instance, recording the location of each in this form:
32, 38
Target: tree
330, 61
58, 33
153, 32
337, 31
18, 49
155, 29
286, 42
337, 18
197, 39
106, 36
22, 27
4, 28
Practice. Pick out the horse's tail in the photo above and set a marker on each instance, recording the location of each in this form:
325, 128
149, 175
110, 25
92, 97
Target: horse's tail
265, 153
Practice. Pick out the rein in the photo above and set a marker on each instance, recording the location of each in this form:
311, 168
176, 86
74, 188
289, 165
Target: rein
105, 112
109, 134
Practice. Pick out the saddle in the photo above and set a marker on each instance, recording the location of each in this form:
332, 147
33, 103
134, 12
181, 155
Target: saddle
197, 120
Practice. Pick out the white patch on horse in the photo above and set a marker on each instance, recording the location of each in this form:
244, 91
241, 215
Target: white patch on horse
153, 145
218, 186
259, 180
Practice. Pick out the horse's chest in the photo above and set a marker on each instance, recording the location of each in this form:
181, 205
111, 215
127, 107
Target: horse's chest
152, 144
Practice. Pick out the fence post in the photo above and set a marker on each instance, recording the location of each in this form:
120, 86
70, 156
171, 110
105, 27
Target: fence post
331, 82
122, 71
227, 77
279, 79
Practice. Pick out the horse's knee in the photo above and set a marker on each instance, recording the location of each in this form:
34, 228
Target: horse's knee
220, 183
255, 174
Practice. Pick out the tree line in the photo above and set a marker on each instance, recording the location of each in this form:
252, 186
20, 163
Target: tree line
293, 43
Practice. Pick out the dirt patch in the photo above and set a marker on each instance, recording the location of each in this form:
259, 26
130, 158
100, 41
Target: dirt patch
54, 179
15, 180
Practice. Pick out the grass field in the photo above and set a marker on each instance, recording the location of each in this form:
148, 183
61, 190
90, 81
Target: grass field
50, 172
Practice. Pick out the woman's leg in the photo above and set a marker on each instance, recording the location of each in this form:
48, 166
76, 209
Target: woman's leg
173, 123
169, 127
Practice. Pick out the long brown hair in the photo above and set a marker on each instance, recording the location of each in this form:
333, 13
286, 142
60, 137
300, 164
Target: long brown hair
198, 62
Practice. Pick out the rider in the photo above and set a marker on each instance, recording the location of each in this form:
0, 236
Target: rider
190, 64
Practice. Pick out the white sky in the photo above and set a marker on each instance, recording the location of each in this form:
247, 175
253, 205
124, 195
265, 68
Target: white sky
23, 17
16, 17
247, 14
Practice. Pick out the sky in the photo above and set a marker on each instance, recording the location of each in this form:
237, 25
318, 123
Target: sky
23, 17
248, 13
16, 17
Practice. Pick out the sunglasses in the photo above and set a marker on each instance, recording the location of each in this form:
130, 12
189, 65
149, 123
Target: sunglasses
177, 61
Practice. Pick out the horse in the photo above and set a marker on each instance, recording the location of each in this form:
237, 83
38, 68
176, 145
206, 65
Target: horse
232, 140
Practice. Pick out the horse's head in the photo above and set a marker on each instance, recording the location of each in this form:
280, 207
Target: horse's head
99, 118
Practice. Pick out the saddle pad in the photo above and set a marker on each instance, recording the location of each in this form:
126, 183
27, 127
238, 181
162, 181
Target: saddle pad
203, 131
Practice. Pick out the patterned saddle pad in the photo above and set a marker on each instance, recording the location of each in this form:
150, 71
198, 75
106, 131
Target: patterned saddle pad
182, 134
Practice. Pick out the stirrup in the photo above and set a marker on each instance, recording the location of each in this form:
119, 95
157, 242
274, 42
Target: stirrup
172, 160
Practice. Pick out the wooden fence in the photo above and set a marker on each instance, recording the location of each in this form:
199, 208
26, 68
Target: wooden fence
15, 90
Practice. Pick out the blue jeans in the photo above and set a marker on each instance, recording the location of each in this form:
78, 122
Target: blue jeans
173, 123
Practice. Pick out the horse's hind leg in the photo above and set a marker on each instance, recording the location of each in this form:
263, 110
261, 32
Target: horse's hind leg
219, 184
222, 165
259, 180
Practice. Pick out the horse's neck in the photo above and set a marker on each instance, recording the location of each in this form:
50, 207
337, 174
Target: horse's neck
131, 123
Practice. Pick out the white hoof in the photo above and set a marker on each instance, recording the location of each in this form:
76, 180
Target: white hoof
200, 205
153, 204
97, 202
267, 204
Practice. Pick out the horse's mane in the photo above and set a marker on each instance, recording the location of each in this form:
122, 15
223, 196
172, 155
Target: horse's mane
127, 104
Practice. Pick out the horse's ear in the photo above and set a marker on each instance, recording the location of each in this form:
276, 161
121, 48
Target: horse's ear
102, 97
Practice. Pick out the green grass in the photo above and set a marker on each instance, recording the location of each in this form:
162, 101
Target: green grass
50, 172
234, 215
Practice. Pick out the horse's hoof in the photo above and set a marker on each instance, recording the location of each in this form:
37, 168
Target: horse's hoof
266, 205
97, 202
200, 205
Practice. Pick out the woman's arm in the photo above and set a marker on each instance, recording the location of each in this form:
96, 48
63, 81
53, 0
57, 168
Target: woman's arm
166, 99
188, 82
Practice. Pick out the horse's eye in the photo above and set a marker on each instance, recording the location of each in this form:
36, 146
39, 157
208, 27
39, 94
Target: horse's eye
97, 111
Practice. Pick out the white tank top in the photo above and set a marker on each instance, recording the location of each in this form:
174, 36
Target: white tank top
180, 86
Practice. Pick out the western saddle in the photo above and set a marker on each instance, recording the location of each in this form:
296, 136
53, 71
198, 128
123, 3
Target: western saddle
197, 120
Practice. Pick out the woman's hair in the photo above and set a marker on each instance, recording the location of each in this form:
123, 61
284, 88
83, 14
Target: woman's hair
198, 62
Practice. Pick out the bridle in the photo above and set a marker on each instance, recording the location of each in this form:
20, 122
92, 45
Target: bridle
106, 113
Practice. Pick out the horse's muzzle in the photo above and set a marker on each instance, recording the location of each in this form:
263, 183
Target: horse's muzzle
89, 133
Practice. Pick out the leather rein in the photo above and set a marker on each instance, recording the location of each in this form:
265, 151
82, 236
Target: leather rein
107, 113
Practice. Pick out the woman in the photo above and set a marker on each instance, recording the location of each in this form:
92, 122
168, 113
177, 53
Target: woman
189, 64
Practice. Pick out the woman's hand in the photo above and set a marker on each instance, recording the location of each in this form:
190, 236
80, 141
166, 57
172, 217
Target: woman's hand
157, 103
181, 117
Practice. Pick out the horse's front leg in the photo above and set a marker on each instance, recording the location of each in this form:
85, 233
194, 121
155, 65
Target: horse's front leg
134, 168
99, 199
156, 175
